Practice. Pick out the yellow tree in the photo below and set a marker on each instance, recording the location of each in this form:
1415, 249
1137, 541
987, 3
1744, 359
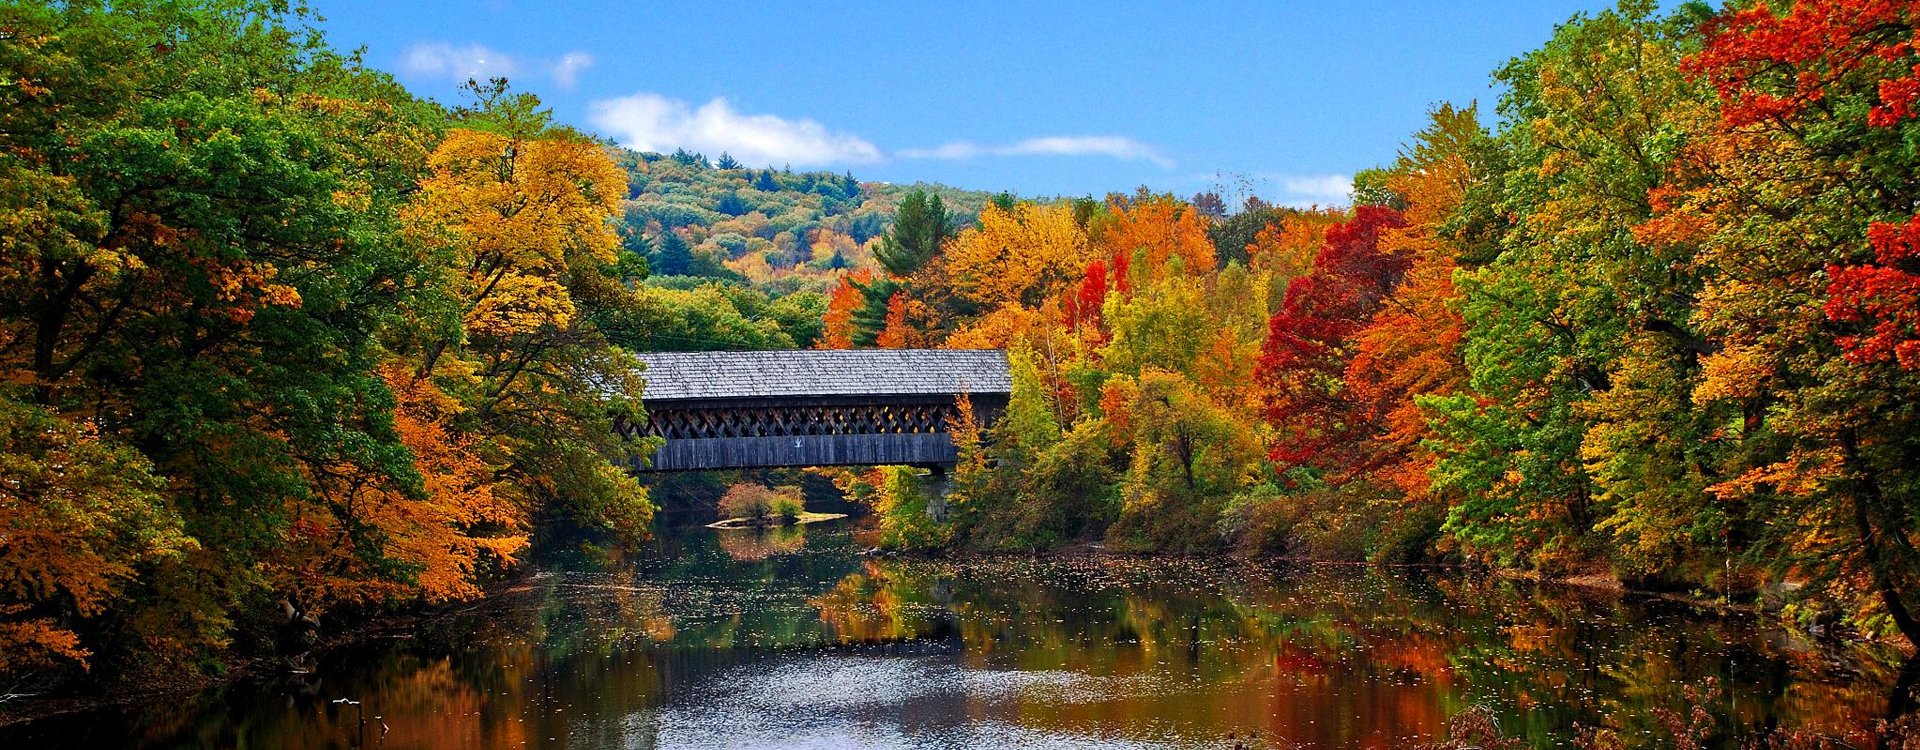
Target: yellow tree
1017, 257
520, 214
516, 215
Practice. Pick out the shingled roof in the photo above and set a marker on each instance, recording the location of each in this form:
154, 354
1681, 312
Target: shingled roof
834, 372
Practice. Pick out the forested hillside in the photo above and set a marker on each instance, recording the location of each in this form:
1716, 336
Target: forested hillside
779, 229
728, 257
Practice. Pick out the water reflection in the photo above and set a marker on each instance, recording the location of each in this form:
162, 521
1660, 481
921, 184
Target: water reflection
785, 637
753, 544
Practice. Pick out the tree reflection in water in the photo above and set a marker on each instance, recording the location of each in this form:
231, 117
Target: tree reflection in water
759, 543
787, 637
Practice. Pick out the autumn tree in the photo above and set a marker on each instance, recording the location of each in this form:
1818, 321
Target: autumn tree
1576, 445
1802, 196
1310, 341
1411, 346
84, 517
1159, 234
518, 212
199, 252
1187, 456
1287, 246
1021, 255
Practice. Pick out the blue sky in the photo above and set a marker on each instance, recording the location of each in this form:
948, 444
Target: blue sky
1038, 98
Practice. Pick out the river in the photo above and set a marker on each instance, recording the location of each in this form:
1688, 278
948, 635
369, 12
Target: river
790, 638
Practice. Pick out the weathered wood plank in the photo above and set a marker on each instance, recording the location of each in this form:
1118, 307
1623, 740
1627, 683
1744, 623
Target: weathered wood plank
807, 450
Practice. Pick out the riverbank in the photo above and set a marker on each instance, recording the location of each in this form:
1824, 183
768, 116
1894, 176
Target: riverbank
1596, 582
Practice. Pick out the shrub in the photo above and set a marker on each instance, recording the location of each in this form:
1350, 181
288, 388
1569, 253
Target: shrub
1359, 521
758, 502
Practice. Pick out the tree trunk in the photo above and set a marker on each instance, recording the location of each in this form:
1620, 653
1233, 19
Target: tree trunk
1866, 498
1889, 589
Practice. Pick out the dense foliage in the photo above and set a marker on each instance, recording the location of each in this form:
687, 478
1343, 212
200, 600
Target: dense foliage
280, 341
779, 229
281, 344
1660, 323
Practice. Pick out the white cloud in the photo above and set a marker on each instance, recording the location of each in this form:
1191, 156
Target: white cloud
479, 62
566, 73
1118, 147
1331, 186
1293, 189
650, 122
443, 60
954, 150
1323, 190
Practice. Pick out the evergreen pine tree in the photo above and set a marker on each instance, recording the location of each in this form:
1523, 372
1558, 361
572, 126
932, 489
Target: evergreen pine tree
674, 258
871, 317
918, 229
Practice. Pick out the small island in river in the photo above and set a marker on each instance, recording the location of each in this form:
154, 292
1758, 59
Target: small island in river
748, 505
762, 522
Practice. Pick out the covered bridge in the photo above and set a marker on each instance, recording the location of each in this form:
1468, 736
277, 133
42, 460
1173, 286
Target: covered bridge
864, 407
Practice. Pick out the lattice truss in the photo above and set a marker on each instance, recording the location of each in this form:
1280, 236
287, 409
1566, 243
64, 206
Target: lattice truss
685, 423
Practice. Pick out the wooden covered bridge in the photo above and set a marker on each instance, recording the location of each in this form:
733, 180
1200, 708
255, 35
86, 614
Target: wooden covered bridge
866, 407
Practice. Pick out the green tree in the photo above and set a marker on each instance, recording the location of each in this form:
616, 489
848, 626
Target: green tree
635, 248
712, 316
919, 227
1578, 444
1232, 235
673, 257
199, 253
871, 317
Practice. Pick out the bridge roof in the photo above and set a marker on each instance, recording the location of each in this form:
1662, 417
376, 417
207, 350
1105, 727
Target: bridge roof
830, 372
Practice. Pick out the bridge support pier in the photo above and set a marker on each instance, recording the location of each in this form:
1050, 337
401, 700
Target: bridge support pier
938, 483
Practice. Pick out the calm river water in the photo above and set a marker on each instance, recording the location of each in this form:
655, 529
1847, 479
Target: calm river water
738, 639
